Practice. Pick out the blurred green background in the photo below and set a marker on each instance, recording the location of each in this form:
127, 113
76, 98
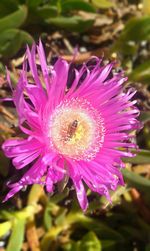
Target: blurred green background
119, 30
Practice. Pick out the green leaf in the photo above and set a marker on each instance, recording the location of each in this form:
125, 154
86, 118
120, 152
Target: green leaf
61, 216
74, 23
142, 157
115, 196
71, 246
136, 180
141, 73
71, 5
7, 7
33, 3
12, 40
99, 228
6, 215
60, 196
109, 245
136, 30
47, 218
47, 11
102, 4
4, 228
125, 47
144, 116
35, 193
90, 242
17, 236
14, 20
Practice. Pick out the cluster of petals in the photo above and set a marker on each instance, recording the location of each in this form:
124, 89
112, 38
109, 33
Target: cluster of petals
77, 122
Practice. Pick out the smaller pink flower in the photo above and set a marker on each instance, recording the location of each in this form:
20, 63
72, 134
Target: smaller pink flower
81, 132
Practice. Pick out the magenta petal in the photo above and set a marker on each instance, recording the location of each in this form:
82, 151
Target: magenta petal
24, 159
81, 193
37, 96
23, 151
44, 66
80, 190
13, 192
32, 64
15, 147
49, 181
59, 86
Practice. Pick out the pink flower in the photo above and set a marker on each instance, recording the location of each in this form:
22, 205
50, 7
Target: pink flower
81, 132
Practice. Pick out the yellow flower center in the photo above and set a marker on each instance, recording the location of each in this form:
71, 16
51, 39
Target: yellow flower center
76, 130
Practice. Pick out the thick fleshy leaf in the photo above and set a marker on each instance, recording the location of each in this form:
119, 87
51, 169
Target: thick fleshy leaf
133, 33
71, 5
59, 197
61, 217
136, 180
47, 218
33, 3
4, 228
115, 198
101, 229
144, 116
7, 7
90, 242
134, 29
142, 157
46, 11
12, 40
35, 193
102, 4
74, 23
16, 238
109, 245
141, 73
72, 246
14, 20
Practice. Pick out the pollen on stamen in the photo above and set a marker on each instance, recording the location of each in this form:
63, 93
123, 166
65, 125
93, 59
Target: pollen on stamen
76, 129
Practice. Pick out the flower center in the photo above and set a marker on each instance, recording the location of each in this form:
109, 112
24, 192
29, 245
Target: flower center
76, 129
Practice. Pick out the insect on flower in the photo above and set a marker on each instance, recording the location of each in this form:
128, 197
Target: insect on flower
72, 129
82, 132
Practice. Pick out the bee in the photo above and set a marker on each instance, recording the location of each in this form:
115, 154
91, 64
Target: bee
72, 129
